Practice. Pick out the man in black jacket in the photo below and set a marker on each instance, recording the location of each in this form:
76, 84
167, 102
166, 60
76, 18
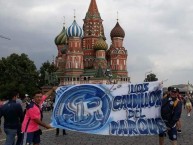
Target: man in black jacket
13, 116
170, 111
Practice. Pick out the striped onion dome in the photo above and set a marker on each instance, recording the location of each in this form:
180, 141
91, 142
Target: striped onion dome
74, 30
100, 44
117, 31
61, 39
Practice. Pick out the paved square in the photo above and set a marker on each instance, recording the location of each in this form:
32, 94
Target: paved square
76, 138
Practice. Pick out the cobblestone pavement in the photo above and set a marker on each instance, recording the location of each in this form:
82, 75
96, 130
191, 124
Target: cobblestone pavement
76, 138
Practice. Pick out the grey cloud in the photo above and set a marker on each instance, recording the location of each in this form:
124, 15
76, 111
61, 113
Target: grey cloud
157, 32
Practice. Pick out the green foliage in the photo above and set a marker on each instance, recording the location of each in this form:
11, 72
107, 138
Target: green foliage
150, 78
17, 72
46, 67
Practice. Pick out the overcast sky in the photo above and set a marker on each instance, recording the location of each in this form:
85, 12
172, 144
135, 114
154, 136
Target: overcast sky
159, 33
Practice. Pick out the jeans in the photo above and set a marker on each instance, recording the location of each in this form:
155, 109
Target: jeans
10, 136
19, 137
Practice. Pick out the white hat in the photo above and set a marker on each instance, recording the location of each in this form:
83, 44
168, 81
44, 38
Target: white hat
26, 95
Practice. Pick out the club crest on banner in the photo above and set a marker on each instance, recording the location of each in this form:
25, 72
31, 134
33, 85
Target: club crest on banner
82, 108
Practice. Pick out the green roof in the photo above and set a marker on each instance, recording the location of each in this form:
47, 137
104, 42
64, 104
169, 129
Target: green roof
89, 72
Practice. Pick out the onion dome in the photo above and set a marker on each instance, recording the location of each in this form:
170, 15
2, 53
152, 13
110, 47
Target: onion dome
74, 30
61, 39
117, 31
100, 44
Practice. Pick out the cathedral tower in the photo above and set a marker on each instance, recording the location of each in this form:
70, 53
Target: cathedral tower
74, 54
92, 28
83, 54
117, 53
61, 42
100, 47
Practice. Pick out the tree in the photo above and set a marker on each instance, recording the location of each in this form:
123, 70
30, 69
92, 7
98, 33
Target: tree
46, 67
150, 78
17, 72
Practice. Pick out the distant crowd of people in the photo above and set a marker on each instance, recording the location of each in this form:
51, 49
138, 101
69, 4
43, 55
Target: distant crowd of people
48, 105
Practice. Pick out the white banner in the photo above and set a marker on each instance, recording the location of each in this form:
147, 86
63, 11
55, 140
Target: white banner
124, 110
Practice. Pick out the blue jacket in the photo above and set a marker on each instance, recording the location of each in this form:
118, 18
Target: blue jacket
170, 113
13, 114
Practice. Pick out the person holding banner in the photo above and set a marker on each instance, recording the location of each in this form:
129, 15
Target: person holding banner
170, 111
57, 129
33, 118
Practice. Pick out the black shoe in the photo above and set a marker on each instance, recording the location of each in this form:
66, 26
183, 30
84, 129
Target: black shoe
64, 133
179, 131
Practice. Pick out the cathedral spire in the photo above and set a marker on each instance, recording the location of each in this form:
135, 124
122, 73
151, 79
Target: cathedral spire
64, 23
117, 16
93, 7
74, 14
93, 10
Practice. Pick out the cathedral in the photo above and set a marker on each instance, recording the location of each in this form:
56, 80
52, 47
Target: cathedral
84, 56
